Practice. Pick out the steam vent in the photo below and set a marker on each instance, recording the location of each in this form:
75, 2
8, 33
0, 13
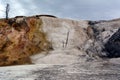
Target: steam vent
45, 47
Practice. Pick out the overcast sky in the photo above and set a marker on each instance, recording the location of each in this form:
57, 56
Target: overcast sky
75, 9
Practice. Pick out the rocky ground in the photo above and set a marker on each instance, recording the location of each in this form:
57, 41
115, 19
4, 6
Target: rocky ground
59, 49
93, 70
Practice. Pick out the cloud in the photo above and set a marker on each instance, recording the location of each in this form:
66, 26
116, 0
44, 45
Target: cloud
1, 10
15, 8
75, 9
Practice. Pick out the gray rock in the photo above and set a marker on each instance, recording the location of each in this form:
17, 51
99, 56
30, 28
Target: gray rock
113, 45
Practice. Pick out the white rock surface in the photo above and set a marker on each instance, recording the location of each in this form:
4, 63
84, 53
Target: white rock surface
57, 30
66, 62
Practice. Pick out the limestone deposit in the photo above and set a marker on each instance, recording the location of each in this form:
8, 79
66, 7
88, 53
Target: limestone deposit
20, 39
52, 48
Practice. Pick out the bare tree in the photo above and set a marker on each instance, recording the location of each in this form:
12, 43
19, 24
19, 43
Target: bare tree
7, 10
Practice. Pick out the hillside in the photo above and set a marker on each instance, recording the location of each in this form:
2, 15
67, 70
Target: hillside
51, 48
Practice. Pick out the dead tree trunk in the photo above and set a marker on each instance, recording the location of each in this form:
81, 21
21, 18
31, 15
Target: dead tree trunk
7, 11
67, 39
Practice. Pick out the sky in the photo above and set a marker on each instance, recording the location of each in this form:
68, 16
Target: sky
73, 9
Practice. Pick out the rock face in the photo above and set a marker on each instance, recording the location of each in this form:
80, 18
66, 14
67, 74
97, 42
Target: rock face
106, 32
51, 40
59, 49
63, 35
20, 39
23, 36
58, 30
113, 45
